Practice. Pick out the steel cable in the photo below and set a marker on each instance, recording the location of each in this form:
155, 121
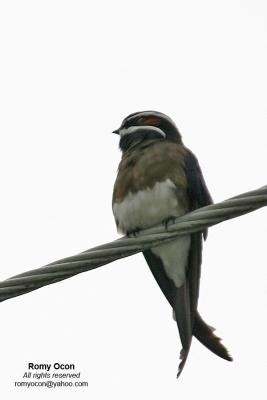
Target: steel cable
194, 221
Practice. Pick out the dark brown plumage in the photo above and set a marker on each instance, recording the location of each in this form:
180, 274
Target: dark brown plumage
144, 165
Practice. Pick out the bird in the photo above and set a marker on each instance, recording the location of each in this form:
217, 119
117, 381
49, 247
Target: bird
158, 180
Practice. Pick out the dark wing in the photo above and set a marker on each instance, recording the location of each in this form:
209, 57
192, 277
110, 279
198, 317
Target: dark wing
198, 193
197, 189
199, 196
184, 299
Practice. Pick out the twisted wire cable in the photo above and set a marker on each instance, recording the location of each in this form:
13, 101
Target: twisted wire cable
194, 221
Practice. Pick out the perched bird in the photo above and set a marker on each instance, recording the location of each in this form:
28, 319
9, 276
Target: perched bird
160, 179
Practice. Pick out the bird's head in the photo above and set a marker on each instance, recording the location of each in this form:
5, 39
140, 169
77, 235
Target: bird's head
145, 125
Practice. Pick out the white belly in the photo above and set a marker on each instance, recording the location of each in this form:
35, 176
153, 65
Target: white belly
150, 207
174, 256
147, 207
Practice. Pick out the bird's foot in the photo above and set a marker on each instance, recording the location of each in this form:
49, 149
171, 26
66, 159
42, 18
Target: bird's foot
133, 233
167, 221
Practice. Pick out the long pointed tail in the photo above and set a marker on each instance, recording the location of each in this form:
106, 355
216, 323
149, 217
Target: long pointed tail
205, 334
184, 321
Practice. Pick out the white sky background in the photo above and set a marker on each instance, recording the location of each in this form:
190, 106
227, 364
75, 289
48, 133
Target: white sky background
70, 71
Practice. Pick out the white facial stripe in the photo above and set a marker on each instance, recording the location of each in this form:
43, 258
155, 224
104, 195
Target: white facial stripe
133, 129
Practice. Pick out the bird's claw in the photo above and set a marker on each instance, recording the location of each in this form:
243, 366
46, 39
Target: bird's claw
133, 233
167, 221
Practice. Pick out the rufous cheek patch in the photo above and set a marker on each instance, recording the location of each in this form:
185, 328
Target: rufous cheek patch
154, 121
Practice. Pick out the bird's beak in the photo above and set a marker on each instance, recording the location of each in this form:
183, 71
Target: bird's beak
117, 131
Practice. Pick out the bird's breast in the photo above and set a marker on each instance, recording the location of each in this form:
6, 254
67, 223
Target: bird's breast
150, 187
147, 207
